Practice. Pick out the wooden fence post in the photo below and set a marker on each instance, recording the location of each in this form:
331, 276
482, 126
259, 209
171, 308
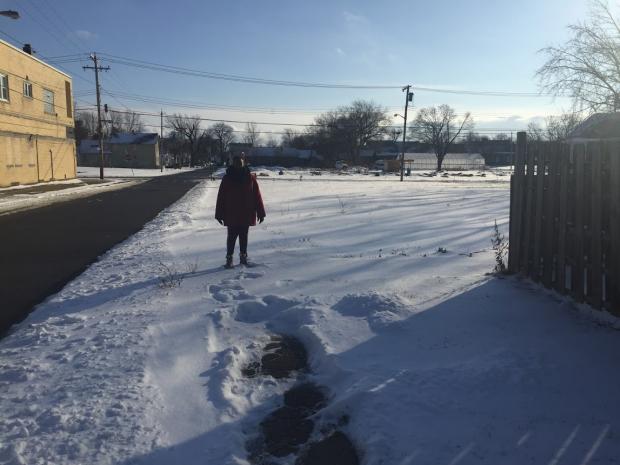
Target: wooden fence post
613, 280
540, 220
551, 217
530, 206
595, 273
580, 206
560, 283
516, 204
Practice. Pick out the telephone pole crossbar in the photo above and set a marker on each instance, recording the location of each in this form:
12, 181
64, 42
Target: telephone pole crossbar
98, 68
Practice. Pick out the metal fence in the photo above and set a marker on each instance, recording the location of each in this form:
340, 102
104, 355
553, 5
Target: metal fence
565, 218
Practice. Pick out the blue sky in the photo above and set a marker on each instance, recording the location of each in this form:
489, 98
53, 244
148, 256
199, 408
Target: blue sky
472, 45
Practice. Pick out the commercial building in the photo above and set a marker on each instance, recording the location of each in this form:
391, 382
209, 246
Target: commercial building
36, 120
428, 161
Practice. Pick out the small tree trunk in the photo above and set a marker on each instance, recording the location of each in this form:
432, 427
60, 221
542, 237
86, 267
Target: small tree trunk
439, 161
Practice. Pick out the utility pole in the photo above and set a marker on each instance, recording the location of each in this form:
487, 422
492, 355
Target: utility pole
161, 141
408, 98
98, 68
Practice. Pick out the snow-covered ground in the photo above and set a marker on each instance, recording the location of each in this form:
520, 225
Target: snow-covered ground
138, 361
93, 172
496, 176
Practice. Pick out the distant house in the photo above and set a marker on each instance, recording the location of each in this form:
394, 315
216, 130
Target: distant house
428, 161
499, 158
597, 126
124, 150
88, 153
237, 148
282, 156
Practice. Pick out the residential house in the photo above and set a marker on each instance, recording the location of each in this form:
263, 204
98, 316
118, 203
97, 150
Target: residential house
36, 119
123, 150
597, 126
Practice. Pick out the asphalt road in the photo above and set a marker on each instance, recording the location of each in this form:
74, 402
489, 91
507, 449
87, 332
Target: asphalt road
43, 249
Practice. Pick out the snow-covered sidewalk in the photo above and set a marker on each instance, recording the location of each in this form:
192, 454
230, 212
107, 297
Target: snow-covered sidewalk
25, 197
428, 360
93, 172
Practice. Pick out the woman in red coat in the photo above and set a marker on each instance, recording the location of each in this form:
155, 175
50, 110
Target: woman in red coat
239, 202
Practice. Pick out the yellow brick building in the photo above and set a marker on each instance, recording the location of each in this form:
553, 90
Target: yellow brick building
36, 120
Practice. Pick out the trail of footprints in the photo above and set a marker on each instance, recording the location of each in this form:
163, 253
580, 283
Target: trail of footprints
292, 427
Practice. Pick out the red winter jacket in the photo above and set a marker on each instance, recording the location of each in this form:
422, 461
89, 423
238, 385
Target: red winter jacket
239, 201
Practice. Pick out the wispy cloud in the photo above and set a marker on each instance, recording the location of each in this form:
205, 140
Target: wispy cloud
353, 18
340, 52
85, 35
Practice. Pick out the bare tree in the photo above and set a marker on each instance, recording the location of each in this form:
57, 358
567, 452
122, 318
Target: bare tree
87, 121
557, 128
587, 66
123, 121
132, 122
394, 135
252, 134
535, 131
288, 137
560, 127
271, 141
224, 134
189, 128
85, 126
365, 121
439, 127
349, 128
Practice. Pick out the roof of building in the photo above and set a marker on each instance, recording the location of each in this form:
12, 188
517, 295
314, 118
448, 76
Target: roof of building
598, 126
134, 138
90, 146
34, 58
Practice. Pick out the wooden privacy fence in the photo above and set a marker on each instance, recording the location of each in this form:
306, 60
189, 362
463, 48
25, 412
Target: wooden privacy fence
565, 218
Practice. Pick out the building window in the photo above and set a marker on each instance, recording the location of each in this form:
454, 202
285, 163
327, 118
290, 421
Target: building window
48, 101
4, 87
27, 89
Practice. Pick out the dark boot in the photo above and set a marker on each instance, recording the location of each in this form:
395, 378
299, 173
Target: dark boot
229, 261
243, 258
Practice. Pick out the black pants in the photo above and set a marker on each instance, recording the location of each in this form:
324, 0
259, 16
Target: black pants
233, 233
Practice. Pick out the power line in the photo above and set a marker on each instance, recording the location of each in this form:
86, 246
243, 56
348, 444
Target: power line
13, 38
479, 93
70, 56
211, 106
255, 80
63, 24
232, 77
43, 24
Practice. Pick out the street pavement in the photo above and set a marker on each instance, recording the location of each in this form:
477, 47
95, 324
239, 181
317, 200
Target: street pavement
44, 248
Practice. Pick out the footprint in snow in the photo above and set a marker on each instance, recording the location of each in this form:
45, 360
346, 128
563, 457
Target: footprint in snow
256, 311
380, 311
225, 292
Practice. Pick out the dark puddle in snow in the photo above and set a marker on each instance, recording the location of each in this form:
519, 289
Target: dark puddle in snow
289, 429
282, 356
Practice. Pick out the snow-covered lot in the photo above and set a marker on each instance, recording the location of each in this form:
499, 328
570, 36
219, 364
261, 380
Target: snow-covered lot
139, 359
